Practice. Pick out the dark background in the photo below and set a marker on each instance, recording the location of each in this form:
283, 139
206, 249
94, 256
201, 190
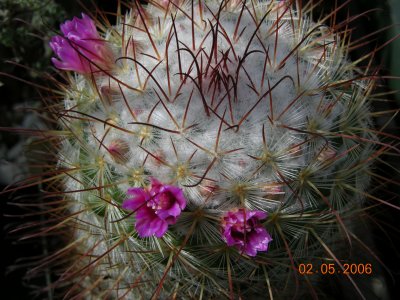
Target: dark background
25, 27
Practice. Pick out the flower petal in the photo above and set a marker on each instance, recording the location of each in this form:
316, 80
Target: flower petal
242, 228
138, 200
156, 207
81, 49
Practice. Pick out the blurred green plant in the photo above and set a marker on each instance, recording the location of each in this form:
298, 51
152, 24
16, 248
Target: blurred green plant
25, 29
26, 25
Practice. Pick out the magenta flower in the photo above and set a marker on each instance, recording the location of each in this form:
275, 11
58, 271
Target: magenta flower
241, 228
156, 207
81, 49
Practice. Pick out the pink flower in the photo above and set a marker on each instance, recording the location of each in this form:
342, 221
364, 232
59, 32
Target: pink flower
155, 207
81, 49
241, 228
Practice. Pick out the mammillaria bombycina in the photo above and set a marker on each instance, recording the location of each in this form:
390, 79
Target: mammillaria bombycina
199, 119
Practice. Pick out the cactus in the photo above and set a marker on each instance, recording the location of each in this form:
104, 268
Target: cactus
208, 148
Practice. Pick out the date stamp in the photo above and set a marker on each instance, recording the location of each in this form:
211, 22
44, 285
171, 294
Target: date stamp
331, 269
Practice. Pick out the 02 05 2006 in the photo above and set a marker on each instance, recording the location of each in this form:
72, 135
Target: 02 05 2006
331, 269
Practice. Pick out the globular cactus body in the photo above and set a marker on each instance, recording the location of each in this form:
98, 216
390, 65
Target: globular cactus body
249, 120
